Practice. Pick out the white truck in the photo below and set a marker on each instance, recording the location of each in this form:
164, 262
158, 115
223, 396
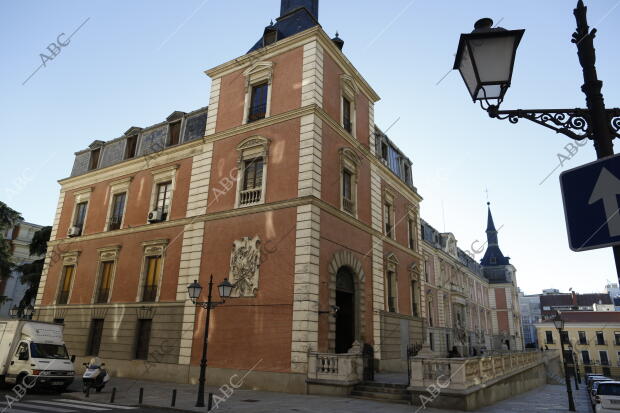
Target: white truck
35, 350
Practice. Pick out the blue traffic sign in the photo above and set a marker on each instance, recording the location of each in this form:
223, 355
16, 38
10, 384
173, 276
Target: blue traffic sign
590, 194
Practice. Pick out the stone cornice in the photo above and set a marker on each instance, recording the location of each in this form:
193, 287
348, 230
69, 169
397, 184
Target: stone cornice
290, 43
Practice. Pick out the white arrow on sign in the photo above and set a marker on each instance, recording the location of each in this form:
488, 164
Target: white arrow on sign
607, 188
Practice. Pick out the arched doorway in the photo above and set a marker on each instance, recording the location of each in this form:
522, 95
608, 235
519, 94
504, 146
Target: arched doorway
345, 317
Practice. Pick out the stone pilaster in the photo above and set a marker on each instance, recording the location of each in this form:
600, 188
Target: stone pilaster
309, 181
312, 78
214, 102
306, 287
191, 249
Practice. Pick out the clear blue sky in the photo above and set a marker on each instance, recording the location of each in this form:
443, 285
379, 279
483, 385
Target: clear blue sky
133, 63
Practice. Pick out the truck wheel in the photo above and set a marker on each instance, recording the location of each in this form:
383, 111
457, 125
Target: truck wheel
20, 380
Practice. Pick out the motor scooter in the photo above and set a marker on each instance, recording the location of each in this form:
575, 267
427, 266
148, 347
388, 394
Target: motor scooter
95, 376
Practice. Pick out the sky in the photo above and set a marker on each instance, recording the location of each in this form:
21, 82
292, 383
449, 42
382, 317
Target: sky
133, 63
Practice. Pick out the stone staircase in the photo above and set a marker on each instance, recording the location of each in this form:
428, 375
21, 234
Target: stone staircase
382, 392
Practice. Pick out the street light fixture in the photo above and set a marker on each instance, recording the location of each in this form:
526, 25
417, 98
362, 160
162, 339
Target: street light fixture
194, 290
485, 58
28, 312
558, 321
13, 311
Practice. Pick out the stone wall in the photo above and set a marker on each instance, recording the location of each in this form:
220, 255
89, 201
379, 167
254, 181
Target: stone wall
397, 331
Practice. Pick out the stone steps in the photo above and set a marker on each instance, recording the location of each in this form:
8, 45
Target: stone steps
382, 392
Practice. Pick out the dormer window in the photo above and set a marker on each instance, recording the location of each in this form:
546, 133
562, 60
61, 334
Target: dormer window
132, 144
270, 36
174, 132
94, 159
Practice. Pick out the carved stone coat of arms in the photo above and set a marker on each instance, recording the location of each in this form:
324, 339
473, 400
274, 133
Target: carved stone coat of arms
244, 266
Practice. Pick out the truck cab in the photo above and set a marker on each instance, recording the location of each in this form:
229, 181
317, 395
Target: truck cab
36, 352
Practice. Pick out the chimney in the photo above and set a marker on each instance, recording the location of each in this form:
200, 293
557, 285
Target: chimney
287, 6
573, 298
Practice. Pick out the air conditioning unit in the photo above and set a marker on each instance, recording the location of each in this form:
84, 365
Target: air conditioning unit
74, 231
155, 215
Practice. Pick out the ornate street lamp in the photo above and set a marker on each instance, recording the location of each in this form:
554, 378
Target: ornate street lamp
485, 58
28, 312
194, 290
559, 324
13, 311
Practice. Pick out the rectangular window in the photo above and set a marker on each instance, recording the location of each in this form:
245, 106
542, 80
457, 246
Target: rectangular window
258, 102
384, 150
346, 115
582, 337
585, 356
94, 337
600, 338
132, 144
59, 321
617, 337
391, 291
65, 284
153, 266
143, 337
252, 185
604, 358
347, 192
387, 218
548, 337
118, 207
80, 215
414, 303
162, 203
253, 174
431, 341
103, 292
430, 313
174, 132
564, 336
94, 159
411, 231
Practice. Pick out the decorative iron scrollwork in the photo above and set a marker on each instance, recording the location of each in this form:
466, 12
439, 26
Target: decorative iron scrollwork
574, 123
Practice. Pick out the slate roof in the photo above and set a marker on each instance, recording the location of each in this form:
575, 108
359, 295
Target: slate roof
597, 317
493, 255
296, 16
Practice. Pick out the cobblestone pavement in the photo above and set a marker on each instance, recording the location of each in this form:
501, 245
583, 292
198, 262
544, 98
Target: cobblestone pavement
547, 399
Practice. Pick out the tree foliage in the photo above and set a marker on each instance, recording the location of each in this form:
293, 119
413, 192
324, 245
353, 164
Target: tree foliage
8, 219
31, 272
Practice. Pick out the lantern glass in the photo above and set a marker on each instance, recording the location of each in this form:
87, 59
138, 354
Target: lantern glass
485, 59
194, 290
28, 311
13, 311
225, 288
559, 323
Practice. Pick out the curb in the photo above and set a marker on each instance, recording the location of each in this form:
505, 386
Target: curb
149, 406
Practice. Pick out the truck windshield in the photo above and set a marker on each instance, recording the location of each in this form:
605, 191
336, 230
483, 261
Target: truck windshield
48, 351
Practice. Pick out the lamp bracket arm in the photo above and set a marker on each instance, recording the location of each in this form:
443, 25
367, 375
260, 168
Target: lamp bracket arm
574, 123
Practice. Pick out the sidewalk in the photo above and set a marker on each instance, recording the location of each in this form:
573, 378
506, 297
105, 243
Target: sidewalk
548, 399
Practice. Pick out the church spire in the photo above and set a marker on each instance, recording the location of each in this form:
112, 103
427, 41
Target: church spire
493, 255
491, 231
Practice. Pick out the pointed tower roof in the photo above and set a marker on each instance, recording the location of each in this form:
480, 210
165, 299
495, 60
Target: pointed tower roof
493, 255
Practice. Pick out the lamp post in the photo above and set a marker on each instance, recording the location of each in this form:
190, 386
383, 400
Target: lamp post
559, 324
573, 357
194, 290
485, 59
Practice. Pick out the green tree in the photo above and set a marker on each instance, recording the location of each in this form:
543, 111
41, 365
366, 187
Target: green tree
31, 272
8, 219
